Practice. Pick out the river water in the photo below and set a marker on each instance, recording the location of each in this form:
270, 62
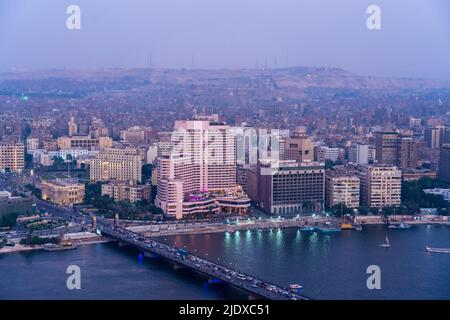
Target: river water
330, 266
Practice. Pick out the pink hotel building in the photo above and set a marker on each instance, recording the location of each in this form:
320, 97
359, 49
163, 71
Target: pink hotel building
198, 175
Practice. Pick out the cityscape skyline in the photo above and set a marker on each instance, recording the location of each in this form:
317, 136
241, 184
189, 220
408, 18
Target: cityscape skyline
165, 37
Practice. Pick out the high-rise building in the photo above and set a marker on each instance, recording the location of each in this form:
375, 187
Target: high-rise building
381, 186
435, 136
287, 187
12, 156
358, 153
202, 159
407, 153
444, 163
116, 164
341, 188
386, 145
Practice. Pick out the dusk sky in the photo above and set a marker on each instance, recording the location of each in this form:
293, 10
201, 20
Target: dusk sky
414, 40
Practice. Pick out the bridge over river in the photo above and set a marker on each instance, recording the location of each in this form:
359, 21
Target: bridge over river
215, 272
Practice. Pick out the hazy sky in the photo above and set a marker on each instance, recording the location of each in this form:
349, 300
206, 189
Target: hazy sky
414, 39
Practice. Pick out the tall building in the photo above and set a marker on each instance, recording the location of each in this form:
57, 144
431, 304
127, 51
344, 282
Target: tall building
381, 186
444, 163
299, 147
341, 188
287, 187
73, 127
358, 153
386, 144
407, 153
202, 159
116, 164
435, 136
12, 156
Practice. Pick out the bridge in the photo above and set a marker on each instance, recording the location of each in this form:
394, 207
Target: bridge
213, 271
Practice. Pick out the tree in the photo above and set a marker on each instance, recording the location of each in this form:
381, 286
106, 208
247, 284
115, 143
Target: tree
146, 172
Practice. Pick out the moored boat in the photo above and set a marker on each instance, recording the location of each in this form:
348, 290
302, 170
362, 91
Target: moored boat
295, 288
402, 225
329, 229
437, 250
307, 229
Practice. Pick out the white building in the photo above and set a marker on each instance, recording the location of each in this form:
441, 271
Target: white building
381, 186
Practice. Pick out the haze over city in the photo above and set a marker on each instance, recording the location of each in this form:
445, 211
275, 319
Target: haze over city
413, 40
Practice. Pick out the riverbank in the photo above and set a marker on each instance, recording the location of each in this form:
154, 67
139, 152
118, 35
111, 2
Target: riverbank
189, 228
78, 239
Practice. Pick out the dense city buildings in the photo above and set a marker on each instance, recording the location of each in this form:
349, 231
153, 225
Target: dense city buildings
288, 187
381, 186
12, 157
123, 164
62, 191
127, 191
444, 163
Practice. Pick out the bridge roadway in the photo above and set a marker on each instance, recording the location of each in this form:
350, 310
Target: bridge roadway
211, 269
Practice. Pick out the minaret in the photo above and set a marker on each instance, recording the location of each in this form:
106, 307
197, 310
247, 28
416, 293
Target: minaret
94, 223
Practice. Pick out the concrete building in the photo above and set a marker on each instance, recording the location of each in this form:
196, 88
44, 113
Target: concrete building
84, 142
202, 159
152, 154
444, 163
381, 186
287, 187
341, 188
435, 136
117, 164
62, 191
12, 157
126, 191
136, 135
10, 204
32, 144
406, 153
386, 145
358, 154
298, 147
